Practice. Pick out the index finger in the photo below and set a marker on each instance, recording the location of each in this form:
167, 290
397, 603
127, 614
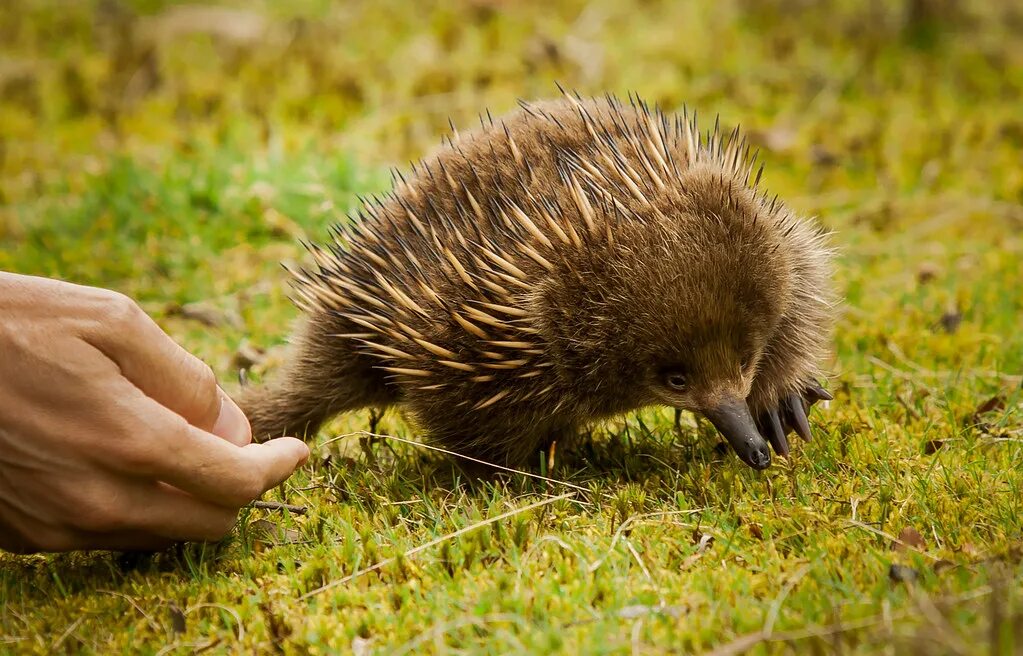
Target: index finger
166, 372
169, 449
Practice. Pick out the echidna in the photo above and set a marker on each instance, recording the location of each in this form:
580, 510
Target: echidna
575, 260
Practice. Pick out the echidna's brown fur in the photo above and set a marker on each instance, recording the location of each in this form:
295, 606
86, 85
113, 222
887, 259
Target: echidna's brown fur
542, 272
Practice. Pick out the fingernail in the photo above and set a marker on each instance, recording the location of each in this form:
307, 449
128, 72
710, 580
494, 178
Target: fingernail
231, 424
307, 452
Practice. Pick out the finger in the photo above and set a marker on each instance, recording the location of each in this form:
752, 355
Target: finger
161, 510
77, 541
152, 361
36, 537
168, 449
231, 424
118, 541
229, 475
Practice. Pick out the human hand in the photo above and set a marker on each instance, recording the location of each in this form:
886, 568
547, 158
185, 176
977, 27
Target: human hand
111, 435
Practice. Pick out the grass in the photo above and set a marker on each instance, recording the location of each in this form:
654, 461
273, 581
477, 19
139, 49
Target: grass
179, 157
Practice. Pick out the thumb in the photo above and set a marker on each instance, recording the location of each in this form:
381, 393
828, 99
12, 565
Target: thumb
277, 459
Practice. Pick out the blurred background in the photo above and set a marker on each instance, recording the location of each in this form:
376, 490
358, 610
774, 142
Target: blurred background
847, 86
180, 152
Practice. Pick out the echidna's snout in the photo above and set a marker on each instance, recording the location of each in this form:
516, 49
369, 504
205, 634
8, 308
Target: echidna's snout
731, 416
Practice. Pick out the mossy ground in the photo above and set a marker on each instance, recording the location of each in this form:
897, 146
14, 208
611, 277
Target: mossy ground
179, 156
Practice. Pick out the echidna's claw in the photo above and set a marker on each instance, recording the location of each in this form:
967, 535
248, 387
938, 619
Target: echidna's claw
814, 393
791, 415
795, 414
770, 427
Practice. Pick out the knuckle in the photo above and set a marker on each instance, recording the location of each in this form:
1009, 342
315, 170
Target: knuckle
102, 516
120, 310
98, 507
141, 443
205, 388
202, 404
205, 379
137, 458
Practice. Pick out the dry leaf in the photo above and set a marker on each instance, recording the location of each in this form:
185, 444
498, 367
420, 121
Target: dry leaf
206, 314
951, 320
823, 156
177, 619
970, 551
705, 541
910, 538
281, 225
994, 404
248, 356
927, 271
267, 533
902, 574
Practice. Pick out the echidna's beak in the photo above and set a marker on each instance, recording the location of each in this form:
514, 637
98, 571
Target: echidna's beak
732, 418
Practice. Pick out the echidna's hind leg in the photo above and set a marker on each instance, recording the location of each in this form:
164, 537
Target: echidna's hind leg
323, 376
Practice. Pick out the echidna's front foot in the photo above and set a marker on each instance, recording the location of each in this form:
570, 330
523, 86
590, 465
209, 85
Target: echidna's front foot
790, 415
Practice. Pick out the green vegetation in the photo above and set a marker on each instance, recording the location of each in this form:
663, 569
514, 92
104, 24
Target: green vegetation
178, 155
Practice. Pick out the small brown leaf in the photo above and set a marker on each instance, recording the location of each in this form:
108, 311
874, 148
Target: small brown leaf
281, 225
950, 320
902, 574
822, 155
926, 272
177, 619
756, 531
205, 314
910, 538
267, 533
705, 541
932, 446
778, 138
994, 404
247, 356
970, 550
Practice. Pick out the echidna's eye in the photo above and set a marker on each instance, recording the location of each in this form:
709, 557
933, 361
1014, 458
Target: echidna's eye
676, 380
